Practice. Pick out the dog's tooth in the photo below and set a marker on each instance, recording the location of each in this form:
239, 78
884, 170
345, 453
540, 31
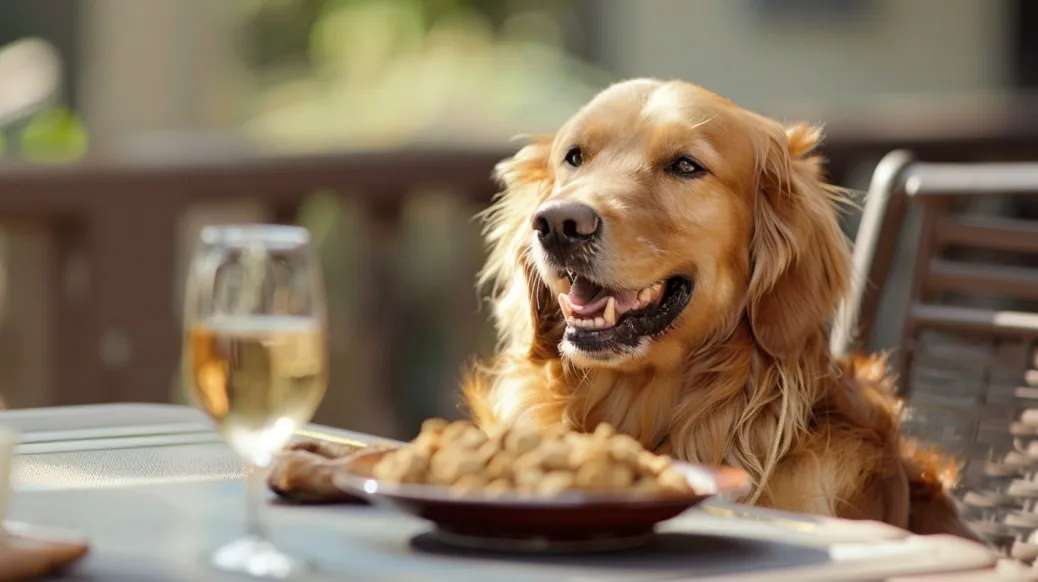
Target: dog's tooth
643, 295
600, 323
564, 284
586, 323
610, 311
564, 305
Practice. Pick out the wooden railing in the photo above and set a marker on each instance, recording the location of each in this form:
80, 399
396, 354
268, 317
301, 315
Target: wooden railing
101, 285
96, 254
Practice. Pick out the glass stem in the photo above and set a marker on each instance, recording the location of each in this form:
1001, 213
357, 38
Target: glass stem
255, 492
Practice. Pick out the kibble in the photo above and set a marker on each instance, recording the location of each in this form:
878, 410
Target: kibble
531, 462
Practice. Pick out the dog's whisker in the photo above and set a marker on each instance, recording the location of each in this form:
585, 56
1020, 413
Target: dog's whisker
689, 258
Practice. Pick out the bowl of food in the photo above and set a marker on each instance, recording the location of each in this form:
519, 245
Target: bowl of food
526, 490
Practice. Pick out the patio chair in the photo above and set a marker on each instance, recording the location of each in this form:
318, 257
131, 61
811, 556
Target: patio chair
967, 313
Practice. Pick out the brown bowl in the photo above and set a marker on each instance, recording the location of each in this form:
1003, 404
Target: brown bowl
571, 521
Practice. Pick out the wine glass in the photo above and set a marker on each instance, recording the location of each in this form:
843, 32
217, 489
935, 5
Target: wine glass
255, 360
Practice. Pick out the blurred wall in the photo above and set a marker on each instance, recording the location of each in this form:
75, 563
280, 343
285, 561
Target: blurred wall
153, 66
903, 46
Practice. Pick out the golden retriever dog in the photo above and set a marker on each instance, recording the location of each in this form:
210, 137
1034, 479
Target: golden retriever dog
670, 263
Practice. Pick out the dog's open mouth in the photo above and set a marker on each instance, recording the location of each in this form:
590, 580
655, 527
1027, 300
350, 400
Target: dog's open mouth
603, 319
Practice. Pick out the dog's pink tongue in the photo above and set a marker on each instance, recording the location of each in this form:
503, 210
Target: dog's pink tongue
588, 299
583, 292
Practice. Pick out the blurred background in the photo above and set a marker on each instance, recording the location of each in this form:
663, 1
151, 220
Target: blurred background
125, 125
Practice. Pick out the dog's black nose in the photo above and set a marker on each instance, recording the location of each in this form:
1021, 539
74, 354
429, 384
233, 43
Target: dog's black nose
564, 226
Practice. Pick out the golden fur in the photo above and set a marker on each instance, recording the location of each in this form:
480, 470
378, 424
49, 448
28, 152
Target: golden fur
745, 376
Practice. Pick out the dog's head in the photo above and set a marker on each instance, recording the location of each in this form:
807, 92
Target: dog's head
658, 218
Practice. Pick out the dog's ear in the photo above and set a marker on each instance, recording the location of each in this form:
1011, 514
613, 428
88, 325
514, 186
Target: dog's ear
799, 255
526, 314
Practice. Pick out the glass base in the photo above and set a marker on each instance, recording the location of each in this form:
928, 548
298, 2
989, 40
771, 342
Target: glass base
257, 557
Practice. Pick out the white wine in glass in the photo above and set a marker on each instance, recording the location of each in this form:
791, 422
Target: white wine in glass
255, 359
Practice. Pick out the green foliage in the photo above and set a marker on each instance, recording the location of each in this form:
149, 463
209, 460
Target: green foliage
282, 32
53, 135
381, 74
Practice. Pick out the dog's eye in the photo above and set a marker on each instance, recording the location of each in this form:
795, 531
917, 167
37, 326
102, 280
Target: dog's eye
574, 157
686, 167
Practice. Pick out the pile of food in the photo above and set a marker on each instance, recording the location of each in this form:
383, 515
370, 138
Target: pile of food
529, 462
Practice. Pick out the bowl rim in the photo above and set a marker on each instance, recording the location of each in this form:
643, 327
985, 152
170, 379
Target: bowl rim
706, 482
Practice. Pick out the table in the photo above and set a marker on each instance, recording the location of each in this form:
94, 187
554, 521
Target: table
154, 488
